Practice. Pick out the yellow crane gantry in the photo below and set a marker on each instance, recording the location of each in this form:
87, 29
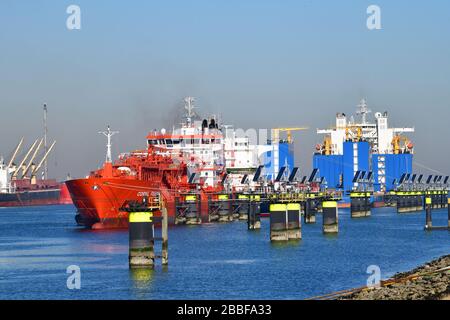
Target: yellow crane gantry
276, 133
396, 140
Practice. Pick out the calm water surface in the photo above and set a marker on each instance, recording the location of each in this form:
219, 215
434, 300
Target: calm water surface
216, 261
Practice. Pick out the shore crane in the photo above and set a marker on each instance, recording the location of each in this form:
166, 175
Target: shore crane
276, 133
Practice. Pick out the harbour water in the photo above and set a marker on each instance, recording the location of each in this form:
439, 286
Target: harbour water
213, 261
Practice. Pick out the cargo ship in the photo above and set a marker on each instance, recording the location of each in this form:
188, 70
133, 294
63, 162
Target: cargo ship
188, 159
19, 185
354, 147
200, 156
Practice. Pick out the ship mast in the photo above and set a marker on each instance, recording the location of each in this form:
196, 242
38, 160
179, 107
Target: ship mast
189, 106
108, 134
45, 141
363, 110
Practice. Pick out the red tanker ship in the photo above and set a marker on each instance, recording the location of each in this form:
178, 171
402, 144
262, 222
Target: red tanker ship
100, 196
190, 159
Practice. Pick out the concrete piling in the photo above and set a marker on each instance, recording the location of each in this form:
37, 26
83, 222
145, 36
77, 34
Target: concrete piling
309, 215
330, 216
448, 208
224, 211
141, 235
294, 223
235, 206
409, 201
391, 199
442, 202
192, 212
428, 208
187, 208
243, 207
254, 218
401, 203
360, 204
444, 198
278, 222
418, 202
435, 200
213, 211
264, 206
141, 231
437, 203
179, 212
428, 217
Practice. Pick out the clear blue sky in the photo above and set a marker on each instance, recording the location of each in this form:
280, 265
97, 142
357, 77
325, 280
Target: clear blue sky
258, 63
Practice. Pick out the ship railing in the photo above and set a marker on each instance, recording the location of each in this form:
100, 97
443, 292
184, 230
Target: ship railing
152, 201
155, 200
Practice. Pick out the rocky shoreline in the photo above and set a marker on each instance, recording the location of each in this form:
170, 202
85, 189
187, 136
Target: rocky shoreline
422, 283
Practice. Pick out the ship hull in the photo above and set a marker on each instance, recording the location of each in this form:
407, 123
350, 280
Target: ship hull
98, 200
31, 198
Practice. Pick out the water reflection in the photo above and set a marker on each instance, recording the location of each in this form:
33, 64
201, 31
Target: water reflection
285, 244
331, 236
106, 248
142, 278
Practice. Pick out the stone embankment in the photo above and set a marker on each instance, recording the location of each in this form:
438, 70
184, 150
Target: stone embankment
430, 281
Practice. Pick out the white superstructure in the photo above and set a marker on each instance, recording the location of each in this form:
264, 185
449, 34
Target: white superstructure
242, 157
210, 148
383, 140
240, 154
198, 143
6, 186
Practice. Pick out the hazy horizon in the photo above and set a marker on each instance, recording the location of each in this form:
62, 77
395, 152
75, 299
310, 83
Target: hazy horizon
259, 64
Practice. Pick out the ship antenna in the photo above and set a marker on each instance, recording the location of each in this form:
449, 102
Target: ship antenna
108, 134
189, 106
45, 141
363, 110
